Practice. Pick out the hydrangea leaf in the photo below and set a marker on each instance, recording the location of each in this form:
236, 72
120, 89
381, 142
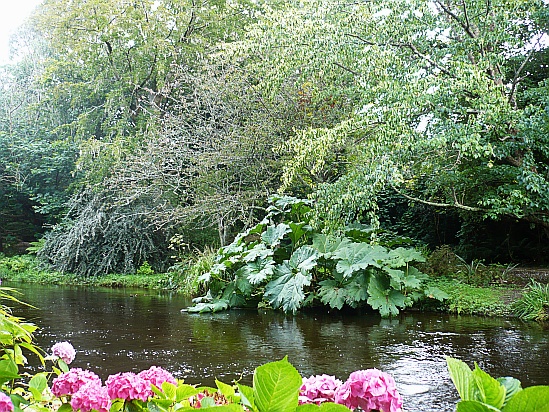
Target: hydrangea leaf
463, 379
491, 391
276, 387
246, 396
323, 407
512, 386
474, 406
531, 399
274, 234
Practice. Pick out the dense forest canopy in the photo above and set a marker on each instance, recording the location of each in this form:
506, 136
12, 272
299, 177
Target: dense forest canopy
124, 123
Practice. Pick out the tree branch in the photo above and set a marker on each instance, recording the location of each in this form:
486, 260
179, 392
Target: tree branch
456, 204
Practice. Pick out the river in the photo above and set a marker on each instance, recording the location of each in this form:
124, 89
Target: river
118, 330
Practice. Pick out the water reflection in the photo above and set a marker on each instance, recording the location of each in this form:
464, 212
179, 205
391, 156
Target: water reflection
123, 330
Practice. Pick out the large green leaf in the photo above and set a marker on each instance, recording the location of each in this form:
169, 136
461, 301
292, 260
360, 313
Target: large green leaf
303, 258
490, 390
286, 291
331, 293
298, 230
401, 256
383, 298
8, 370
532, 399
323, 407
475, 406
328, 244
274, 234
246, 396
463, 379
257, 271
276, 387
258, 251
358, 256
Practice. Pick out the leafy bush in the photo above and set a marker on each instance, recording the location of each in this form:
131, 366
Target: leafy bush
441, 262
479, 392
284, 263
534, 303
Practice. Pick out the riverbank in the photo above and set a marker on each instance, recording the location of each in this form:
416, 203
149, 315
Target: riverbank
24, 269
464, 299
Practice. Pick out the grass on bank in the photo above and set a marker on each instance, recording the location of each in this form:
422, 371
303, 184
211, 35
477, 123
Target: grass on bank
25, 269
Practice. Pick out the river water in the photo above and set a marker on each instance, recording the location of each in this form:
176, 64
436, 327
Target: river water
129, 330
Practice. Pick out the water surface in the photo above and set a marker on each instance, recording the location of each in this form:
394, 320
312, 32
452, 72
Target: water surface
129, 330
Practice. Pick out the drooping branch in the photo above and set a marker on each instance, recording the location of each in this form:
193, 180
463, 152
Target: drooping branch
456, 204
412, 47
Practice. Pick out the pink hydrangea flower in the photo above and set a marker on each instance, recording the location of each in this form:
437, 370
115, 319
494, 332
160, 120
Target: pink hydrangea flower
128, 386
65, 351
91, 396
369, 390
318, 389
70, 382
6, 404
157, 376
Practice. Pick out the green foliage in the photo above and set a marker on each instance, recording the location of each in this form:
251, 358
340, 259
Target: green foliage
441, 262
534, 302
289, 265
474, 300
97, 238
145, 269
276, 387
479, 392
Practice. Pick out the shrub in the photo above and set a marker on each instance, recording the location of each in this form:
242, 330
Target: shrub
534, 303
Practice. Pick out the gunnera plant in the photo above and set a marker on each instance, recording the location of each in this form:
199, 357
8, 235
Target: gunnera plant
534, 303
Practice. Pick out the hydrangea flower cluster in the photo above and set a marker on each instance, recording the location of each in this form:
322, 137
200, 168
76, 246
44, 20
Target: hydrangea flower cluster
91, 396
369, 390
70, 382
318, 389
157, 376
65, 351
87, 393
128, 386
6, 404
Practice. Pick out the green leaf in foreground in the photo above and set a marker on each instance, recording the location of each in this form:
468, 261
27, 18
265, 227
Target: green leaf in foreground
323, 407
491, 391
276, 387
512, 386
532, 399
474, 406
463, 379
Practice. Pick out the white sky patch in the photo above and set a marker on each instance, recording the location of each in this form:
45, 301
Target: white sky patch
12, 16
155, 6
382, 13
424, 122
432, 90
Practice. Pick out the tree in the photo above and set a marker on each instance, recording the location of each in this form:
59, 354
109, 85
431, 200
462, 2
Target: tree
434, 103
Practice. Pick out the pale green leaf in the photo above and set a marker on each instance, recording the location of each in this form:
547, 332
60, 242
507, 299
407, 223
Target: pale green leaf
276, 387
